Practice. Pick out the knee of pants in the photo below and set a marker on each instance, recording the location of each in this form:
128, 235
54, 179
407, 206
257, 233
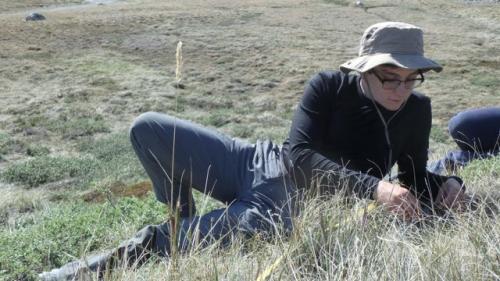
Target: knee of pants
476, 129
143, 126
461, 130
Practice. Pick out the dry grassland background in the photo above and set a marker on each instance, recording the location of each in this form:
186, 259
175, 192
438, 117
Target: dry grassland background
71, 85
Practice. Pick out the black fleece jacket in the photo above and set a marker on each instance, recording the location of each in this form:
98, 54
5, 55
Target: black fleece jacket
337, 139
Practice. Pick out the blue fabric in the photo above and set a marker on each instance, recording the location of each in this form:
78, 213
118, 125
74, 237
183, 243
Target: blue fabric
477, 134
250, 178
477, 130
457, 159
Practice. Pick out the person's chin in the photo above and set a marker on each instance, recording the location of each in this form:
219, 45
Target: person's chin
393, 105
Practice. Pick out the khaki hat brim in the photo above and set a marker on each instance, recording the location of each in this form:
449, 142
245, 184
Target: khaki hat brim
365, 63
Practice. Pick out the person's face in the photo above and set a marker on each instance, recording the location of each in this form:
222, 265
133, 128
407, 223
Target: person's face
386, 89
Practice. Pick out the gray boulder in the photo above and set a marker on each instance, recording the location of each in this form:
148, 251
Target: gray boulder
34, 17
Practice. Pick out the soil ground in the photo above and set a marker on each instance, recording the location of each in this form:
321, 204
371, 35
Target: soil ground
245, 62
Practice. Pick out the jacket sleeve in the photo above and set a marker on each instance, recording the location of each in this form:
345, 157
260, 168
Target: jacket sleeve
311, 168
413, 162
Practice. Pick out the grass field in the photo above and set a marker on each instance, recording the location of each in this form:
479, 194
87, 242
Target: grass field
71, 85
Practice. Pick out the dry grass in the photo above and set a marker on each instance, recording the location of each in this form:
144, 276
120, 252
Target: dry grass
331, 242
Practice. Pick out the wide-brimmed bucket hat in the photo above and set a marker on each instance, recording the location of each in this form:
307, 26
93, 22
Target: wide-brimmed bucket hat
394, 43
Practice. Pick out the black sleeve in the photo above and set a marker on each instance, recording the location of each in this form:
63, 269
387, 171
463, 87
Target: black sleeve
309, 127
413, 161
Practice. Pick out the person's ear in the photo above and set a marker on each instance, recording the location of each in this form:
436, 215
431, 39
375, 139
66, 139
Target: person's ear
363, 76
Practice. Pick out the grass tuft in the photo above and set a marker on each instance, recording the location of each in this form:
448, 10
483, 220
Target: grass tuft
46, 169
118, 161
70, 230
9, 145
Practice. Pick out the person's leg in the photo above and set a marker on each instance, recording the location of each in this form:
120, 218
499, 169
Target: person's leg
477, 135
242, 217
265, 207
476, 130
199, 157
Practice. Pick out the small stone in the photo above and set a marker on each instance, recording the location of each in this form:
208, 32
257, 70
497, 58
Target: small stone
178, 85
35, 17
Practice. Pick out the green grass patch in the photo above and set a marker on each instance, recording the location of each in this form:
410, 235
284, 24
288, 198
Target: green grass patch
72, 128
71, 230
484, 79
46, 169
242, 131
5, 143
440, 135
9, 145
110, 159
37, 150
74, 122
33, 120
218, 118
482, 168
117, 158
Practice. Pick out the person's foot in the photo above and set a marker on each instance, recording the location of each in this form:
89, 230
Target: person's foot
78, 270
70, 271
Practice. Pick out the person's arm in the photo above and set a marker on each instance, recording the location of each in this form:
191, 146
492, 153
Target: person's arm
412, 162
307, 134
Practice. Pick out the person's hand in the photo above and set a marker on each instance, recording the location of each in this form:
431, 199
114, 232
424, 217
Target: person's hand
398, 200
451, 195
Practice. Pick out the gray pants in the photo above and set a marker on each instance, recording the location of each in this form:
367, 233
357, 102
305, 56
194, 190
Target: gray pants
179, 155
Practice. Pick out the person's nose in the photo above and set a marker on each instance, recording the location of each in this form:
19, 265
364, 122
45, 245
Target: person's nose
401, 90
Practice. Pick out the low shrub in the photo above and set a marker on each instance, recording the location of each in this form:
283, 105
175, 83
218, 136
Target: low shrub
46, 169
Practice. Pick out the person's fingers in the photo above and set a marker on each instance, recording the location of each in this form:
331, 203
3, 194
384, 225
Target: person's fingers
408, 208
413, 206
